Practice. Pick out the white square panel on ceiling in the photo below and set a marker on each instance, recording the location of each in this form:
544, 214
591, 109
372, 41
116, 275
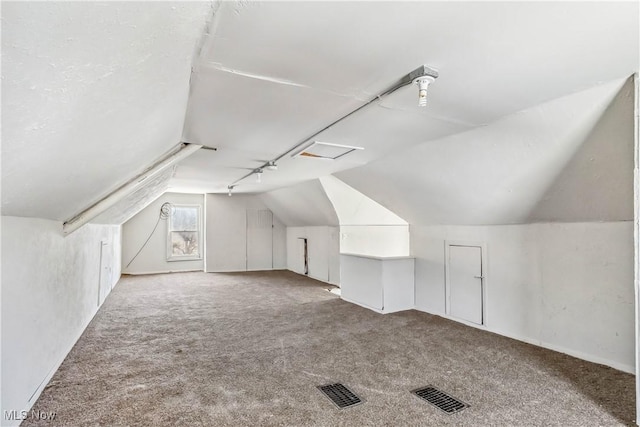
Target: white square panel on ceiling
325, 150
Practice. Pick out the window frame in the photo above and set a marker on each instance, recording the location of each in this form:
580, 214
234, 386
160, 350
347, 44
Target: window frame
170, 256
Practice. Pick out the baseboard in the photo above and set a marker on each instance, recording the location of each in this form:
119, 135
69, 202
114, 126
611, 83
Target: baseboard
312, 277
142, 273
243, 271
377, 310
574, 353
465, 322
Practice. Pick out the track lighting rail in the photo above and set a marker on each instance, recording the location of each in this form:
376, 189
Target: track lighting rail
414, 76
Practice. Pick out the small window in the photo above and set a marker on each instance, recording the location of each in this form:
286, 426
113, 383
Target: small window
183, 241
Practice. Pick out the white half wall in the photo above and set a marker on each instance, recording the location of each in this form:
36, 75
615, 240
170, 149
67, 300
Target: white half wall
323, 252
153, 257
564, 286
375, 240
385, 285
226, 231
52, 286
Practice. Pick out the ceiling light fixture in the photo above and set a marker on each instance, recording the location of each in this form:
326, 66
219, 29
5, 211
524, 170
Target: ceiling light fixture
423, 84
258, 173
272, 166
424, 73
423, 76
230, 188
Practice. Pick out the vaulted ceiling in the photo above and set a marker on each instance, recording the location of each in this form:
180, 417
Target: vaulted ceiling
570, 160
273, 73
94, 92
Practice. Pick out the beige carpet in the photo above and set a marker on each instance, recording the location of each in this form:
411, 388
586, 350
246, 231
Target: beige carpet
249, 349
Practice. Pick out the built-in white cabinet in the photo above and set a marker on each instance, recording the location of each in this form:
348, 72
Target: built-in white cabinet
382, 284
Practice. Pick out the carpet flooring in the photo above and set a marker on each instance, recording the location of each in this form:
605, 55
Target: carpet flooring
249, 349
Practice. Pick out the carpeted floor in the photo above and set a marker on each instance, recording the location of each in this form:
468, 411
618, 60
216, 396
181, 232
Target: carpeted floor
249, 349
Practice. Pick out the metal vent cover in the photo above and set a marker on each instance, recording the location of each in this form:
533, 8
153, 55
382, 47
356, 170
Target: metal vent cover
440, 399
340, 395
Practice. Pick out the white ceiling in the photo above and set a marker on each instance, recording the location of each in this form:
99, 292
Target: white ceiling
354, 208
136, 201
570, 159
302, 204
274, 73
92, 93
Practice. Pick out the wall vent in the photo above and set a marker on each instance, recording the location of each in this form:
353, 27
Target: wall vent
325, 150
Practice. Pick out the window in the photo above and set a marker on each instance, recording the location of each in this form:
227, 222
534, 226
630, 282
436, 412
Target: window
183, 241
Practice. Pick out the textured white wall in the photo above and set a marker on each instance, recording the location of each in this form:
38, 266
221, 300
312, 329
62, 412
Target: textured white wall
153, 258
636, 232
226, 229
565, 286
279, 245
50, 292
323, 252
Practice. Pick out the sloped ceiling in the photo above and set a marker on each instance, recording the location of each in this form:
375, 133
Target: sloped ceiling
274, 73
570, 159
92, 93
354, 208
304, 204
596, 184
135, 202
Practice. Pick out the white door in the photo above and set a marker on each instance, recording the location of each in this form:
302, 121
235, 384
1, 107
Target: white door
465, 282
259, 240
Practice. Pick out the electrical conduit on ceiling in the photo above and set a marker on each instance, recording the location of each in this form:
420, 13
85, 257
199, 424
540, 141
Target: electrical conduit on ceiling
422, 76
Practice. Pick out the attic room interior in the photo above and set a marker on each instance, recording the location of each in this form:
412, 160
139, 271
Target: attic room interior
320, 213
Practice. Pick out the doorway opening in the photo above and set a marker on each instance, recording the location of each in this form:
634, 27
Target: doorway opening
304, 249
